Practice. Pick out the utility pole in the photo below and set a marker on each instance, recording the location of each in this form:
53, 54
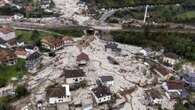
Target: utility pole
146, 11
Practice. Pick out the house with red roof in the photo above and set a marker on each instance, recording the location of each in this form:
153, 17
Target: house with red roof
51, 43
173, 88
24, 51
82, 59
7, 57
67, 40
59, 94
162, 71
21, 53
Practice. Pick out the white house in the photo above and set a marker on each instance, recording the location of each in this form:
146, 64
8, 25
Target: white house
20, 43
8, 90
45, 3
170, 58
18, 16
74, 76
31, 48
25, 51
7, 35
60, 94
101, 94
173, 88
106, 80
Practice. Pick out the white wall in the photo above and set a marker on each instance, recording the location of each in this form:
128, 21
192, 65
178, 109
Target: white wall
169, 60
102, 99
165, 87
72, 80
109, 83
53, 100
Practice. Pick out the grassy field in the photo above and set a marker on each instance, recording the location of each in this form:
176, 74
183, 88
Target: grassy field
68, 31
7, 72
34, 36
189, 15
31, 36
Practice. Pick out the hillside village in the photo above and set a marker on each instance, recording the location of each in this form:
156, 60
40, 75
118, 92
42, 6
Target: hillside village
90, 73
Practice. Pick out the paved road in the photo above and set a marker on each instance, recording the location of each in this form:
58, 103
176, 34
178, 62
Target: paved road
105, 27
42, 30
109, 13
106, 15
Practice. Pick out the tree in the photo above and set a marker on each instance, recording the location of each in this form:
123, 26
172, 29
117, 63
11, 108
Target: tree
21, 91
35, 35
4, 102
3, 82
179, 105
83, 83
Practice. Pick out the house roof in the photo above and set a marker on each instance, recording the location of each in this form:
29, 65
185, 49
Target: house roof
171, 55
6, 30
106, 78
56, 92
6, 54
67, 38
154, 93
21, 51
175, 84
113, 46
33, 56
162, 70
30, 46
74, 73
101, 91
52, 41
82, 56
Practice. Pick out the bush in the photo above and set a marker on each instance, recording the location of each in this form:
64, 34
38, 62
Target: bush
21, 91
179, 106
83, 83
3, 82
